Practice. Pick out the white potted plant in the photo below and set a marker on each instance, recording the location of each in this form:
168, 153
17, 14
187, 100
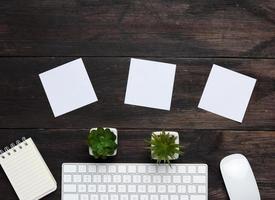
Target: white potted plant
103, 142
164, 146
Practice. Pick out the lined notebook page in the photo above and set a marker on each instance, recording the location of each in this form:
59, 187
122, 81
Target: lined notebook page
27, 171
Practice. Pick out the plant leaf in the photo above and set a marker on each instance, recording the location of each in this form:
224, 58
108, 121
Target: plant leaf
163, 147
102, 142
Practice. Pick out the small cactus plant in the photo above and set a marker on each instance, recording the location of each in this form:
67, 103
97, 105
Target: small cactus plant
102, 142
164, 147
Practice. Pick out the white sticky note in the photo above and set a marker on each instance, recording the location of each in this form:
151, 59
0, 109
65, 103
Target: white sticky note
150, 84
68, 87
227, 93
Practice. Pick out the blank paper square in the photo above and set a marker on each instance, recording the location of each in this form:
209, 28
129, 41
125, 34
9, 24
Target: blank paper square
150, 84
227, 93
68, 87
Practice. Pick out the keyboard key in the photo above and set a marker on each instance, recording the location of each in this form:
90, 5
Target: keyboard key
201, 189
82, 188
70, 197
172, 189
161, 188
132, 169
117, 178
96, 178
141, 188
191, 169
112, 169
181, 189
121, 188
124, 197
132, 188
161, 169
166, 179
69, 188
198, 197
151, 188
82, 168
184, 197
91, 188
199, 179
103, 197
121, 169
136, 178
152, 169
172, 169
67, 178
77, 178
92, 168
176, 179
156, 179
84, 197
101, 188
191, 189
102, 169
144, 197
94, 197
133, 197
69, 168
87, 178
112, 188
146, 179
127, 179
181, 169
107, 178
154, 197
141, 169
201, 169
164, 197
113, 197
186, 179
174, 197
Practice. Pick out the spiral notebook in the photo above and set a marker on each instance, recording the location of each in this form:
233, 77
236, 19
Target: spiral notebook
26, 170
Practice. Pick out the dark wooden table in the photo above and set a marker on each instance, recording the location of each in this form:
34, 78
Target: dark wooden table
38, 35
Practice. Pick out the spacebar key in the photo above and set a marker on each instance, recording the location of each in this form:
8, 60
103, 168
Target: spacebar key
198, 197
70, 197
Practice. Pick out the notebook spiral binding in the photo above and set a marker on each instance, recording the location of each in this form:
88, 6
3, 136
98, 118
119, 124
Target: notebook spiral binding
18, 143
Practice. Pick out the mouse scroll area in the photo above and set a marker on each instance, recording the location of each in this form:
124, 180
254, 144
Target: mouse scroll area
237, 168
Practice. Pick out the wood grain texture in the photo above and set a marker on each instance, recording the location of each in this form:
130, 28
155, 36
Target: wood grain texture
69, 145
36, 36
25, 105
189, 28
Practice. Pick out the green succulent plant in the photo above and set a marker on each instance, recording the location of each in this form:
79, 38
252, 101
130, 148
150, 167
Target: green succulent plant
102, 142
163, 147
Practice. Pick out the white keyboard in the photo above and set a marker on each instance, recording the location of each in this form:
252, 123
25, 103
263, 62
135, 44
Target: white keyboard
132, 181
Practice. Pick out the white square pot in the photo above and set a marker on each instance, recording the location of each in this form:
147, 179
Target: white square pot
176, 134
114, 130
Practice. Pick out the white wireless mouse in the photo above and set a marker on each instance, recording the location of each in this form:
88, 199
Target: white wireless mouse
239, 178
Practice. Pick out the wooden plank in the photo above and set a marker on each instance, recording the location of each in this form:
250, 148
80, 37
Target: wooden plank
138, 28
23, 103
200, 146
